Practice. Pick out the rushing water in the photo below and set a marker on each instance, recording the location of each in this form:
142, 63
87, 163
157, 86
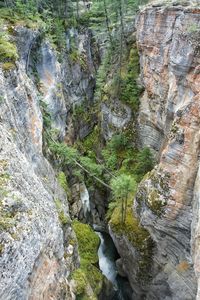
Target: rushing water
107, 256
85, 199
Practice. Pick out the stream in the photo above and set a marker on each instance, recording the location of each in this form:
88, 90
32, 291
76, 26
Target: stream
120, 288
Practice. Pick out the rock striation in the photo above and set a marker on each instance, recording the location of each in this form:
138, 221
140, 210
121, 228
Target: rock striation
38, 249
167, 200
169, 120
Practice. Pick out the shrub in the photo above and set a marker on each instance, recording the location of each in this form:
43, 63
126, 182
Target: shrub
131, 228
8, 51
63, 182
144, 163
118, 142
130, 91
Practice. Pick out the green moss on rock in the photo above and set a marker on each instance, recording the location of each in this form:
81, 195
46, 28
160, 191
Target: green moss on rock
64, 219
63, 182
154, 191
7, 66
88, 242
138, 236
88, 278
131, 228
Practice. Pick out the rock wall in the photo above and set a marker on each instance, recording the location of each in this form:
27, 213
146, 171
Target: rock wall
168, 36
66, 80
38, 249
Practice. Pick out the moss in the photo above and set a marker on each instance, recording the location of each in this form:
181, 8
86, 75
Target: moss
88, 242
88, 275
7, 219
132, 229
72, 242
7, 66
63, 182
81, 281
1, 249
64, 220
138, 236
8, 51
154, 191
155, 203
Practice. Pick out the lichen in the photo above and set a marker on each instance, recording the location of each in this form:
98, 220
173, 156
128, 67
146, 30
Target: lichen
183, 266
154, 202
154, 191
7, 218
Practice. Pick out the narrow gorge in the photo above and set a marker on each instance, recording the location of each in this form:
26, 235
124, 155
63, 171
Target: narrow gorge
99, 150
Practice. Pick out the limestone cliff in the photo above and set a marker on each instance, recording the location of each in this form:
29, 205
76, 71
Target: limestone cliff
168, 39
38, 249
167, 200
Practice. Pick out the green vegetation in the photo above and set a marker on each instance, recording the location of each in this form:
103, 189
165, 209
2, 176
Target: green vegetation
144, 163
45, 115
70, 156
154, 202
7, 218
111, 84
88, 242
63, 183
63, 218
130, 91
131, 228
8, 50
137, 236
88, 274
117, 165
121, 157
122, 186
154, 190
90, 146
193, 28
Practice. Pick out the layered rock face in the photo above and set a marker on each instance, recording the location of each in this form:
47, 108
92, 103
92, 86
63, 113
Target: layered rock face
169, 122
37, 244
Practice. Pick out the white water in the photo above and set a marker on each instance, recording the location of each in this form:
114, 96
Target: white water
107, 256
106, 262
85, 199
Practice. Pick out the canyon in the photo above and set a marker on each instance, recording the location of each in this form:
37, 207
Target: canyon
50, 96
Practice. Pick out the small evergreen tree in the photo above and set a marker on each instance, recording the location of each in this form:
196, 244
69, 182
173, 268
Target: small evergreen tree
122, 186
